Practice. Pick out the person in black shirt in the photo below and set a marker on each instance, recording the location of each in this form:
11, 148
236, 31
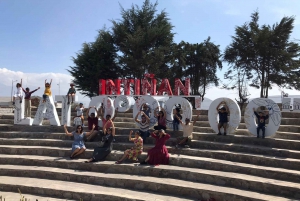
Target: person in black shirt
223, 116
261, 122
176, 117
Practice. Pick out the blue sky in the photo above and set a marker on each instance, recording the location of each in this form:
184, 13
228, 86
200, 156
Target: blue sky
41, 36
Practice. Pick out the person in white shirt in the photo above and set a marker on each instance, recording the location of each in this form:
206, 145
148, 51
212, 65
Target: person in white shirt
80, 109
187, 129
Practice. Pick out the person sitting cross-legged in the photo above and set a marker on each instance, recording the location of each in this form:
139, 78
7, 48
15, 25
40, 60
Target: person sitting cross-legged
105, 147
78, 146
187, 128
135, 151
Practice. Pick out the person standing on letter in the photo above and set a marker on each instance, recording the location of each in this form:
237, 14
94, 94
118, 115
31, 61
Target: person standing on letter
261, 122
28, 101
223, 116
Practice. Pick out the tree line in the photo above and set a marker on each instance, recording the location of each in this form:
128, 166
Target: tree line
142, 42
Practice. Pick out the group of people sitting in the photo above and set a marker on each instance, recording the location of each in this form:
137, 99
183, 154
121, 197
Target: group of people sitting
156, 155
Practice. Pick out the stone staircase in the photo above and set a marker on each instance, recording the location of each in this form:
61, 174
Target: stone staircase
35, 159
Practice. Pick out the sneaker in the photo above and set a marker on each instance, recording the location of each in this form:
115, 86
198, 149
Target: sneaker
186, 146
20, 101
224, 133
68, 103
219, 133
13, 103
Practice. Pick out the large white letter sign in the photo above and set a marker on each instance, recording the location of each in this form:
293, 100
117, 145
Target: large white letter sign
234, 112
65, 110
123, 103
108, 105
46, 110
296, 105
152, 104
274, 116
19, 114
186, 109
286, 103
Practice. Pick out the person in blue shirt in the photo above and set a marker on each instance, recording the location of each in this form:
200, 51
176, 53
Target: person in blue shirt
261, 118
223, 116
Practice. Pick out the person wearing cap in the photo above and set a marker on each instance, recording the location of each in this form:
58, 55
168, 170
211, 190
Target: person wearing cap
135, 151
71, 93
27, 98
92, 120
106, 144
261, 117
158, 154
144, 124
80, 109
223, 116
187, 128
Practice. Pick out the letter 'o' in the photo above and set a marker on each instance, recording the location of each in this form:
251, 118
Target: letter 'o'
274, 116
123, 103
186, 109
234, 117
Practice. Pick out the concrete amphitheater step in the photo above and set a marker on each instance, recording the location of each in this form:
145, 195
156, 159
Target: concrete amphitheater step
73, 190
178, 187
287, 135
250, 140
13, 196
168, 171
61, 140
175, 159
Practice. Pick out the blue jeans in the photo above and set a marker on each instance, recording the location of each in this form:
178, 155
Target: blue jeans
263, 128
144, 135
175, 126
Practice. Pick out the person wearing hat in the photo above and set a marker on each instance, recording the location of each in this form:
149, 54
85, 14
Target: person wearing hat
79, 109
71, 93
261, 117
187, 128
135, 151
158, 154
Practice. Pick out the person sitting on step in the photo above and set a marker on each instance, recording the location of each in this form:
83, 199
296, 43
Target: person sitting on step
105, 147
47, 91
101, 112
92, 120
261, 117
223, 116
78, 146
71, 93
144, 124
158, 154
80, 109
135, 151
187, 128
161, 119
19, 93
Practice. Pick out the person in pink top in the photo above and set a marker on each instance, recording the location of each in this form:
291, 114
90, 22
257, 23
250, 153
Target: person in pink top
161, 119
158, 154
